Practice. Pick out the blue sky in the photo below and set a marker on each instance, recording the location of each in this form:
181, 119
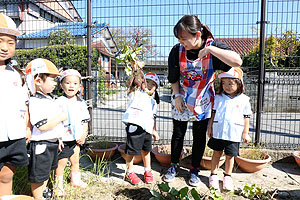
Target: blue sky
225, 18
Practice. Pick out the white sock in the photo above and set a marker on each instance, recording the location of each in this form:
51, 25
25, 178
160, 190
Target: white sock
147, 169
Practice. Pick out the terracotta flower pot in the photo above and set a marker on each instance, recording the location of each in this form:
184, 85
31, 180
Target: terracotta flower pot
164, 159
101, 153
249, 165
296, 155
206, 162
136, 158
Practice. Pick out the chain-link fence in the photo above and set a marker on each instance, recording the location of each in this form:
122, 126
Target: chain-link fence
60, 31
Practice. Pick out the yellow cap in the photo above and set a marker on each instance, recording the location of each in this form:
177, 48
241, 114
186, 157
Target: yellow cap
41, 65
8, 26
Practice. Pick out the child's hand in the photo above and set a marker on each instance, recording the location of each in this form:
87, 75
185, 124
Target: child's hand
60, 145
209, 132
81, 141
64, 116
155, 135
246, 138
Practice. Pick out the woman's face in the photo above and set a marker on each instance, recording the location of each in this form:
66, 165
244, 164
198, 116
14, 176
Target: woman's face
189, 41
229, 86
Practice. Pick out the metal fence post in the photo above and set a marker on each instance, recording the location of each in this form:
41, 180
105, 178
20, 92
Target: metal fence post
261, 71
89, 67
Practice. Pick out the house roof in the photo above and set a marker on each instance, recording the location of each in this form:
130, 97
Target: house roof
240, 45
102, 48
76, 28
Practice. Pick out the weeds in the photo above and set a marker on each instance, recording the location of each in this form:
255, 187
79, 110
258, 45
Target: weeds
257, 192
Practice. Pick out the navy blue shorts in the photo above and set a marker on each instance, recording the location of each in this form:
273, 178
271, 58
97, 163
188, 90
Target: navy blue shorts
68, 149
230, 148
13, 152
43, 159
137, 140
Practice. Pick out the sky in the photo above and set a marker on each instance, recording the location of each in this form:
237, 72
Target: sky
225, 18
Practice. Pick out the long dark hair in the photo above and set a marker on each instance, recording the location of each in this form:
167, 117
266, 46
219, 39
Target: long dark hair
191, 24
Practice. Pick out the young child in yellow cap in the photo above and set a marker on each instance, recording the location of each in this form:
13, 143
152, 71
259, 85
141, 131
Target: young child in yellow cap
229, 124
14, 111
46, 117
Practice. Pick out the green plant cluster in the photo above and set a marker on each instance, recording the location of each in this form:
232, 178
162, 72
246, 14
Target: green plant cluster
254, 152
73, 56
257, 192
165, 192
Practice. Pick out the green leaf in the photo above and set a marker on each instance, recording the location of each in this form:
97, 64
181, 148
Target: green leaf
164, 187
174, 192
195, 194
183, 191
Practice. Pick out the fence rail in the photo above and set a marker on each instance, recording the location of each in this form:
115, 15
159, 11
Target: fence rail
115, 22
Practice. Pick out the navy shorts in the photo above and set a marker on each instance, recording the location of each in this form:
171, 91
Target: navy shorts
68, 149
13, 152
230, 148
137, 140
43, 159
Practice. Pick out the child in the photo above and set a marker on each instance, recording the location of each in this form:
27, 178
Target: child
46, 118
140, 123
14, 112
75, 128
228, 124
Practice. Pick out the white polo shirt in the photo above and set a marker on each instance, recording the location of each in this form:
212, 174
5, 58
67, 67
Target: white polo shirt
228, 123
41, 109
78, 114
141, 110
12, 105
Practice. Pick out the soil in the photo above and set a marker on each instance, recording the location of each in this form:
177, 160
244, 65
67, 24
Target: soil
279, 176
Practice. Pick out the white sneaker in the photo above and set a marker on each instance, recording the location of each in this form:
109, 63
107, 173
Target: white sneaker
214, 181
227, 183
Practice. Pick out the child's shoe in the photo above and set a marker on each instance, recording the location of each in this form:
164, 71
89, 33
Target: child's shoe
214, 181
76, 180
148, 176
227, 183
133, 178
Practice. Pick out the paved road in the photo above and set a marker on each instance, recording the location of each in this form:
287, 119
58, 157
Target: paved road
279, 129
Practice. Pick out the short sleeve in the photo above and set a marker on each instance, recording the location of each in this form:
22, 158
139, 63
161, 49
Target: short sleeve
35, 109
173, 65
247, 108
217, 63
85, 112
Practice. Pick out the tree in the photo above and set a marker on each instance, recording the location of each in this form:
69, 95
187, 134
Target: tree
135, 37
280, 52
60, 37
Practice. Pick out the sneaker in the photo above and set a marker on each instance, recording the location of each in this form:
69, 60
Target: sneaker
171, 173
148, 177
227, 183
133, 178
194, 179
214, 181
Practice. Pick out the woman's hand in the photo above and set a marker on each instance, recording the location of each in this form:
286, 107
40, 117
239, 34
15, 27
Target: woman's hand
179, 104
203, 52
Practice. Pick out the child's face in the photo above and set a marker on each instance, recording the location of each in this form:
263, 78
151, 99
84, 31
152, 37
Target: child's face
71, 85
229, 86
151, 85
46, 86
7, 47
